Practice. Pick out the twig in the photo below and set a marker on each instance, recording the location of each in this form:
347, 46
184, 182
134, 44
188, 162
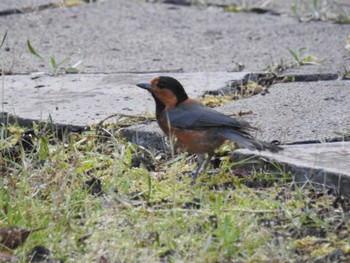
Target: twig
123, 115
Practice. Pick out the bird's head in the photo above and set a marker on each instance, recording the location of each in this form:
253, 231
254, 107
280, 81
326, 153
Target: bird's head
166, 90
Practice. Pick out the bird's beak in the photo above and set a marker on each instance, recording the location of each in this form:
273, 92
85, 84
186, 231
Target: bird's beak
146, 86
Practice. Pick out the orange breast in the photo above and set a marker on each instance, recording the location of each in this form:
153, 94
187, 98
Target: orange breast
194, 141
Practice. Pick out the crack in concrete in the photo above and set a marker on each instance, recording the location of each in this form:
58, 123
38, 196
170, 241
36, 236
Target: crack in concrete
59, 128
31, 9
269, 79
226, 7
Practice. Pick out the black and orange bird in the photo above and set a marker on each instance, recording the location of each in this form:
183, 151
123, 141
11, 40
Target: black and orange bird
195, 127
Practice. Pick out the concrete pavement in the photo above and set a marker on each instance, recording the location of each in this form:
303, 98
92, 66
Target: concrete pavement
118, 43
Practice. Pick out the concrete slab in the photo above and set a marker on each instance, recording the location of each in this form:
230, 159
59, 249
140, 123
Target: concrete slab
290, 112
299, 111
85, 99
324, 164
131, 36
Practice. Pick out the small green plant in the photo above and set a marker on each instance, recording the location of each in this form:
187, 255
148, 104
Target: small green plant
278, 68
328, 10
344, 134
32, 50
302, 58
56, 66
3, 39
2, 73
343, 72
232, 8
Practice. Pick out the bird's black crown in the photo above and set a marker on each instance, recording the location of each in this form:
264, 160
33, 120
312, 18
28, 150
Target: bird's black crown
174, 85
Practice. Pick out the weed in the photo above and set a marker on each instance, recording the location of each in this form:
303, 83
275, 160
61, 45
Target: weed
2, 74
232, 8
56, 66
343, 72
3, 39
217, 100
344, 134
327, 10
300, 58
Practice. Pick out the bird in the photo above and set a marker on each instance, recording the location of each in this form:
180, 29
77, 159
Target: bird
197, 128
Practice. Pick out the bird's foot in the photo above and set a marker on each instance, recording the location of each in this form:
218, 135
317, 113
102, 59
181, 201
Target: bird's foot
194, 174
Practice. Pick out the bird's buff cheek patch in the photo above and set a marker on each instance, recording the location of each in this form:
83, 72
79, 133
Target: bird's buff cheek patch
166, 96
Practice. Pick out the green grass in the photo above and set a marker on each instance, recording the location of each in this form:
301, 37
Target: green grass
158, 216
300, 58
57, 67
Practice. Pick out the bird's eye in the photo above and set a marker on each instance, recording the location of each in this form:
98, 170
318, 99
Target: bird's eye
161, 85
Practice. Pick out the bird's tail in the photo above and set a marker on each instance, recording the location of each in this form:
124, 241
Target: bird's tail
247, 141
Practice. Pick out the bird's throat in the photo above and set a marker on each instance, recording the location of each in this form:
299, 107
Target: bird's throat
160, 107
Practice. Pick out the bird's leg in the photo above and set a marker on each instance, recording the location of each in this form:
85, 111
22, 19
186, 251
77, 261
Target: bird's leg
206, 163
202, 165
200, 161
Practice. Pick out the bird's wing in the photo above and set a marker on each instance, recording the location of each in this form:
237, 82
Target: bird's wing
196, 116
